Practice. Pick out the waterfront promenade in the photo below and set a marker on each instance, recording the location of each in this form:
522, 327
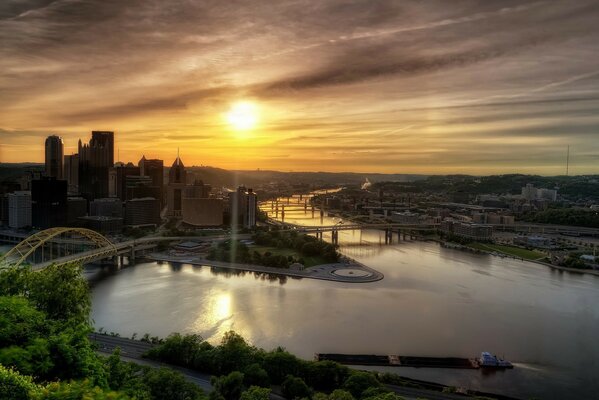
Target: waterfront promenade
347, 270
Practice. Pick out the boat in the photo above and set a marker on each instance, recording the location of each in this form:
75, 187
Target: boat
487, 360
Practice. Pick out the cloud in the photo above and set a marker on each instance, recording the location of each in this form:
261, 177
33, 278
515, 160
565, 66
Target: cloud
350, 81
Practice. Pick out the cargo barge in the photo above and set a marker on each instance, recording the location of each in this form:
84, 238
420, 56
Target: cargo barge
485, 361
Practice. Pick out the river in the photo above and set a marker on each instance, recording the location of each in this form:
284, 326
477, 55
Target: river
432, 302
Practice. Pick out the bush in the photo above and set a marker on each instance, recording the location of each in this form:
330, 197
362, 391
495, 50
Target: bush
359, 381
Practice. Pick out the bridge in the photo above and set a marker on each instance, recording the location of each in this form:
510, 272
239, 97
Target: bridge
85, 247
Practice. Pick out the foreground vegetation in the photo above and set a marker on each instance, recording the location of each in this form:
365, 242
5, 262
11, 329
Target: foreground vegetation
45, 352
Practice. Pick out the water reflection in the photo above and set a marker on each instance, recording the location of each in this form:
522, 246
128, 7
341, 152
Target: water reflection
433, 301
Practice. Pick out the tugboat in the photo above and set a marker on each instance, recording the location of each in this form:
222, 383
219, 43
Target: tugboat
487, 360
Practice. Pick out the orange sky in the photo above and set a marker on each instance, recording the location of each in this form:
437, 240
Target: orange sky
386, 86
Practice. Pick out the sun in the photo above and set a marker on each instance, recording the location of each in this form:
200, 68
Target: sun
242, 116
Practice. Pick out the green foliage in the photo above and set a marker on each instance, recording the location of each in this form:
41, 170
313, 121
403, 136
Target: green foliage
256, 393
229, 386
279, 363
166, 384
295, 388
255, 375
77, 390
62, 293
14, 386
340, 394
565, 216
19, 321
359, 381
325, 375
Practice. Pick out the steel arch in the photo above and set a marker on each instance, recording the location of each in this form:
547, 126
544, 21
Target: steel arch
24, 249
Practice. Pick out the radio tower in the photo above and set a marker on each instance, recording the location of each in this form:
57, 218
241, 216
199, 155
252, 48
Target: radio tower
567, 160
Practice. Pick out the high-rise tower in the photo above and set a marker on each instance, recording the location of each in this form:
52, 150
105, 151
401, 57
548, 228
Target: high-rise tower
95, 161
54, 153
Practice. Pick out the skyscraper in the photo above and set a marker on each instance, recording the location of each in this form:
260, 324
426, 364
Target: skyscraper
177, 178
54, 153
71, 172
153, 168
95, 161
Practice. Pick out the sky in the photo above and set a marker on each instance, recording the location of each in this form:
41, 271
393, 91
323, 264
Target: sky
461, 86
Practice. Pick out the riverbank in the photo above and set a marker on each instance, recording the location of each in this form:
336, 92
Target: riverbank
348, 271
498, 253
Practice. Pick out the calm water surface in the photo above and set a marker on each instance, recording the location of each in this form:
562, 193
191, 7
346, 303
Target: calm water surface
433, 301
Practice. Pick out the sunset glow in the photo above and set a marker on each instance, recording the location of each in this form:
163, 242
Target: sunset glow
385, 86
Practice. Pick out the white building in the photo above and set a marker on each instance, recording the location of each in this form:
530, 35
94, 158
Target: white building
19, 209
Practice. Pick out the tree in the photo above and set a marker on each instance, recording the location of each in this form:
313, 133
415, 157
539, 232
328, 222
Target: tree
256, 393
229, 386
359, 381
76, 390
255, 375
166, 384
279, 364
340, 394
295, 388
325, 375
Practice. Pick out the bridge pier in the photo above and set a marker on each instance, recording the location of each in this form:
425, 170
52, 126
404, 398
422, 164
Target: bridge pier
335, 237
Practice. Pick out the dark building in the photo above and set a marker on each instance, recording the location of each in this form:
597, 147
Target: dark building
177, 178
71, 172
142, 212
242, 207
76, 208
54, 153
107, 207
118, 178
102, 224
155, 170
48, 203
95, 161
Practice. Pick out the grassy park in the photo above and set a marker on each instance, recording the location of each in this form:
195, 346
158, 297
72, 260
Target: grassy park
509, 250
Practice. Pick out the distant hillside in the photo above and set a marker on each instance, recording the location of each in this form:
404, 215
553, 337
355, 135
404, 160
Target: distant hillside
217, 176
12, 171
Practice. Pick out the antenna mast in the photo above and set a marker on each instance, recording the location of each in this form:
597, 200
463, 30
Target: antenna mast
568, 161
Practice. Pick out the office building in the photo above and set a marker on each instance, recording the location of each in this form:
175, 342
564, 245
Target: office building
71, 173
76, 208
177, 178
467, 230
153, 168
48, 203
102, 224
108, 207
141, 186
142, 212
54, 153
19, 209
118, 178
251, 210
95, 161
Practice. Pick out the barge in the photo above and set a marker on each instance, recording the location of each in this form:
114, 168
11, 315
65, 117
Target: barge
485, 361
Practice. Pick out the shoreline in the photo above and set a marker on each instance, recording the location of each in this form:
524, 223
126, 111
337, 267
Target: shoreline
325, 272
461, 247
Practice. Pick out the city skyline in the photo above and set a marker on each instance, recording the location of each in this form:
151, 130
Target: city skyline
389, 87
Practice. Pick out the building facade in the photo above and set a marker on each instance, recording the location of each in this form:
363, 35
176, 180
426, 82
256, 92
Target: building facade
71, 172
177, 178
48, 203
54, 153
95, 161
19, 209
